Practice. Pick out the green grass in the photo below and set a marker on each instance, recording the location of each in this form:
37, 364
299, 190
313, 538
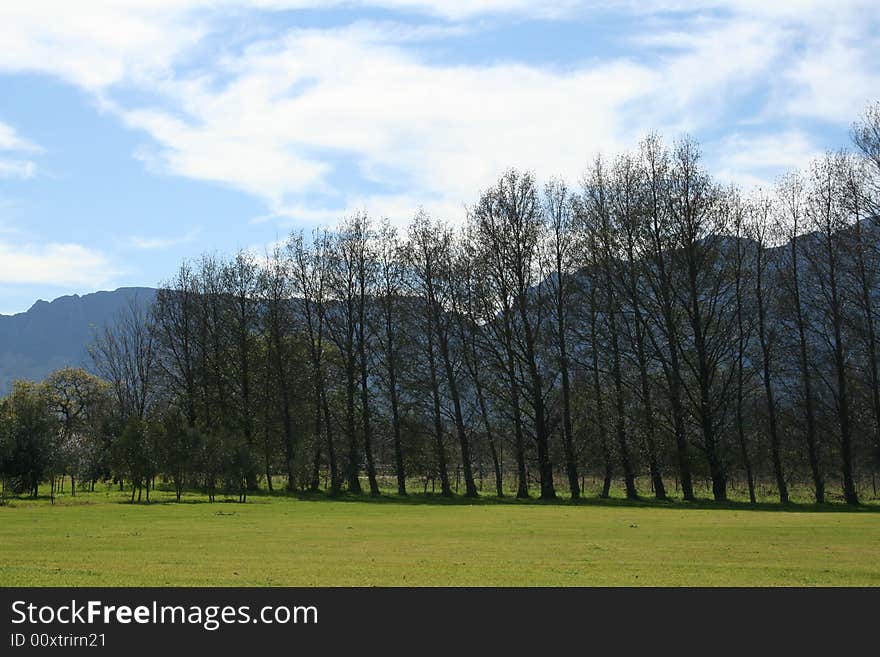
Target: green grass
95, 539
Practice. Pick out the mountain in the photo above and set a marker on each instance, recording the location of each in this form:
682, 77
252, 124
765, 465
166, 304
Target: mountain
58, 334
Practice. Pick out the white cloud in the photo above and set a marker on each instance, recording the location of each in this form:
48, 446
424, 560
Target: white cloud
835, 80
21, 169
10, 140
159, 243
757, 160
288, 110
289, 118
94, 44
67, 265
440, 132
16, 166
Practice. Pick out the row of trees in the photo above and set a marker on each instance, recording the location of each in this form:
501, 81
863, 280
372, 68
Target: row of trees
651, 325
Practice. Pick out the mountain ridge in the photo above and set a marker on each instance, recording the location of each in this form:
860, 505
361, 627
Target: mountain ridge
54, 334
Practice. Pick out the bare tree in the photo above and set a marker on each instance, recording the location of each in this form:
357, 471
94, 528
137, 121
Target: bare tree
471, 334
866, 136
698, 227
561, 247
175, 317
791, 221
628, 204
657, 251
424, 256
760, 226
276, 288
864, 271
359, 235
124, 354
241, 290
826, 217
597, 222
341, 318
391, 279
744, 330
310, 273
509, 219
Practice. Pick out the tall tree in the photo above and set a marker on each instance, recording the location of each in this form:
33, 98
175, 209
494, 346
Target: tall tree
391, 278
241, 290
628, 204
598, 221
560, 244
825, 215
760, 227
124, 354
509, 220
698, 227
658, 245
744, 330
471, 334
791, 221
276, 290
75, 396
864, 272
342, 317
310, 266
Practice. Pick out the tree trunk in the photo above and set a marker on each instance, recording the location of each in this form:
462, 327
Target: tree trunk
600, 405
806, 379
768, 385
445, 489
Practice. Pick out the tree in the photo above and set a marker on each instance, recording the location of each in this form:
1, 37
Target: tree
657, 250
759, 229
467, 304
825, 214
124, 355
391, 277
175, 318
863, 271
790, 222
76, 397
359, 237
310, 273
241, 289
177, 444
560, 245
435, 274
698, 225
597, 223
423, 257
276, 289
866, 137
134, 456
29, 435
509, 220
628, 202
742, 275
346, 271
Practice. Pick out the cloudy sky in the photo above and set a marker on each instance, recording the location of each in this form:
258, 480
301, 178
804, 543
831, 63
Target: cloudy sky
134, 133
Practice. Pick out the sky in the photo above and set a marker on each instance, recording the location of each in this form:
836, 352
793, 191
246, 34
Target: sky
137, 133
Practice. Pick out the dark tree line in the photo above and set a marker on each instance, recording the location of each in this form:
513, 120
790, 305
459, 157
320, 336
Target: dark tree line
651, 326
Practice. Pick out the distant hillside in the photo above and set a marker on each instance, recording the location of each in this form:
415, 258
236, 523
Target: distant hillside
57, 334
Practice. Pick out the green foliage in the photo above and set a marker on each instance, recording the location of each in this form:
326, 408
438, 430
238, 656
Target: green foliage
134, 454
29, 433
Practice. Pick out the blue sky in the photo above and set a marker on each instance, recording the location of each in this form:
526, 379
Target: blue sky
135, 133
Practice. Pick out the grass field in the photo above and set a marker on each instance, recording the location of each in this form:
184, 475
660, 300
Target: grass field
97, 539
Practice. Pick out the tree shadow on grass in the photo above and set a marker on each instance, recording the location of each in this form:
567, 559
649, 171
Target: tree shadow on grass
433, 499
197, 497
